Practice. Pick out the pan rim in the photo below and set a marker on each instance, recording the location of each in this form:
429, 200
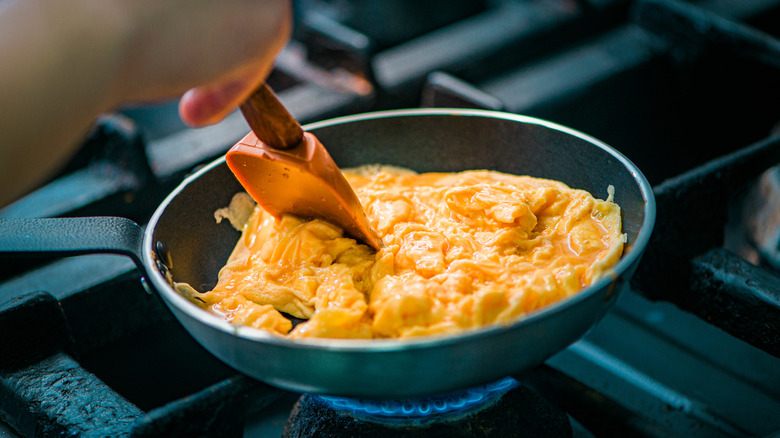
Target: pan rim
173, 298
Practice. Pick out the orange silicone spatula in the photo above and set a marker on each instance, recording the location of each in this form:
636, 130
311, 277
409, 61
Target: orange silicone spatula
287, 170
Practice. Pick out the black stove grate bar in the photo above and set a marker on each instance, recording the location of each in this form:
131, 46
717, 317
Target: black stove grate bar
44, 391
693, 28
484, 41
739, 297
57, 397
491, 38
597, 412
446, 91
692, 212
219, 411
38, 327
108, 171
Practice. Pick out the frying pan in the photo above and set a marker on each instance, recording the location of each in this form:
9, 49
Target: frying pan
182, 242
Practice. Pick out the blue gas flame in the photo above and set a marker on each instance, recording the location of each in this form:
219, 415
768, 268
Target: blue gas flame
423, 408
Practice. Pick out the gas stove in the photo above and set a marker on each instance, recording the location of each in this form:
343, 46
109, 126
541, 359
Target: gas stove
688, 91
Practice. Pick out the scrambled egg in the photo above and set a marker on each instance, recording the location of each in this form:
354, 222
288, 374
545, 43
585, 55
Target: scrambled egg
461, 251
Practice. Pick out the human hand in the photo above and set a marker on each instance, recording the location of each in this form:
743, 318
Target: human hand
218, 51
65, 63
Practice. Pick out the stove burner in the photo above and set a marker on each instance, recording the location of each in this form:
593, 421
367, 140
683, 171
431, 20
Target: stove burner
502, 408
423, 409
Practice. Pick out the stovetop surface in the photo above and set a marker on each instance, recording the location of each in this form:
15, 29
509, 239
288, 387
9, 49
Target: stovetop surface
687, 90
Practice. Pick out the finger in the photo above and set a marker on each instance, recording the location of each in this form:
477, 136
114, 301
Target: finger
209, 104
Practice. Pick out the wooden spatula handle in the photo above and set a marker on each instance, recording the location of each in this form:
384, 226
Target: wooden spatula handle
270, 120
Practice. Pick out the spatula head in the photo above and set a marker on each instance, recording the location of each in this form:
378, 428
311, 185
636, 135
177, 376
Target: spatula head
303, 181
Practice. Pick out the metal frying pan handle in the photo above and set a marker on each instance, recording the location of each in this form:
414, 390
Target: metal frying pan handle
269, 119
71, 236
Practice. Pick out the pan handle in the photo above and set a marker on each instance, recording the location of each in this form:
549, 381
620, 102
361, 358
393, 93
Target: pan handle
71, 236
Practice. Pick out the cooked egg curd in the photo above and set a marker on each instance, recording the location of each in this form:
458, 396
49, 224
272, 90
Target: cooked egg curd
462, 250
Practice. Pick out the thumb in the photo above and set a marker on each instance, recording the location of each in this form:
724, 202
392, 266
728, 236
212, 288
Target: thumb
209, 104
